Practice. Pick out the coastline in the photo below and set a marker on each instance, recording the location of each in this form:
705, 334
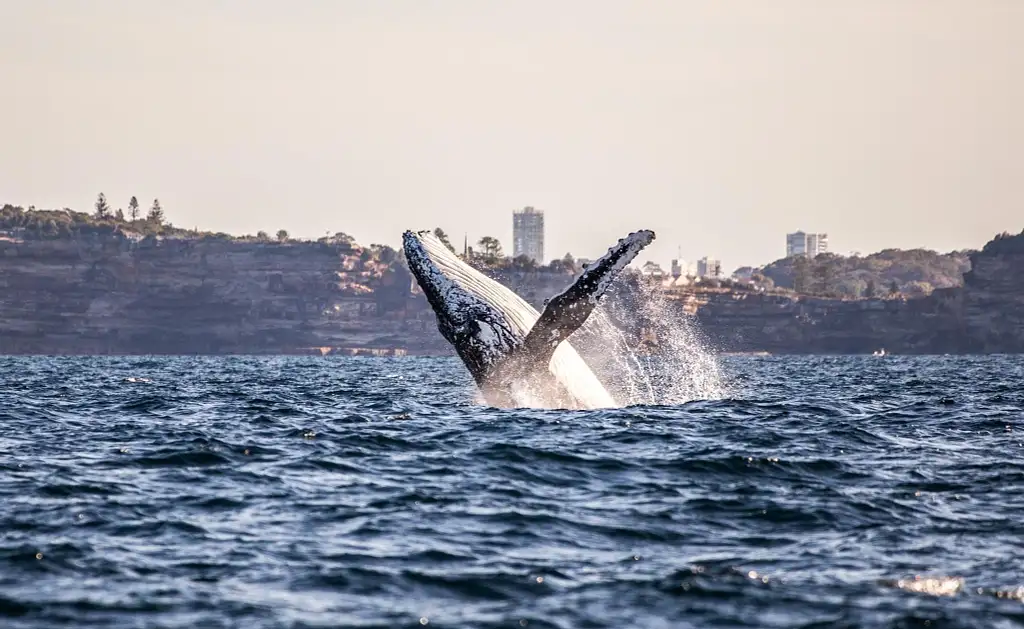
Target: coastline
110, 294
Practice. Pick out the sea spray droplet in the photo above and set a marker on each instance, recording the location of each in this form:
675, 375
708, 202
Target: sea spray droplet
647, 350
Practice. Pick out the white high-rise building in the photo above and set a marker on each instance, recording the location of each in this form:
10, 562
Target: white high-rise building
817, 243
709, 267
677, 268
528, 234
804, 244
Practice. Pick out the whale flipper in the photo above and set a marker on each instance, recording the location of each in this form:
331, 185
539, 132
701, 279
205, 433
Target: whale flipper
567, 311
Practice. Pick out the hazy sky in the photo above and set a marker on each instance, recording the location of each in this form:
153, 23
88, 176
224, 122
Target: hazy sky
721, 124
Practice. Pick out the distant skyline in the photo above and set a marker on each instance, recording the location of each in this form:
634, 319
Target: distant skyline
720, 124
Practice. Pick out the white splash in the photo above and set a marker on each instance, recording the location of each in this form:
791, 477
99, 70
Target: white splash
566, 365
669, 364
678, 370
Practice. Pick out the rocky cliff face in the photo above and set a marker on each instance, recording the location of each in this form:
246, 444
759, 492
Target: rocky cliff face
752, 322
206, 296
985, 315
994, 297
115, 295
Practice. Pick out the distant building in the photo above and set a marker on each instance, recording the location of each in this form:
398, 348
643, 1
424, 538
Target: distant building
709, 267
652, 270
677, 269
796, 244
817, 244
528, 234
743, 274
804, 244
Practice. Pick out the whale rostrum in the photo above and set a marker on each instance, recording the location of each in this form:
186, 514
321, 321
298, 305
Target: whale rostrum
517, 356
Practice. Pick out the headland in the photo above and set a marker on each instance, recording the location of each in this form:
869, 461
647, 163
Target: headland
75, 284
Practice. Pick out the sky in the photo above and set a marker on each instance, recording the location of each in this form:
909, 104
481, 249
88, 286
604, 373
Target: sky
720, 124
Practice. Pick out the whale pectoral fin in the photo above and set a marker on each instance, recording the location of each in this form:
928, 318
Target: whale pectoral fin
567, 311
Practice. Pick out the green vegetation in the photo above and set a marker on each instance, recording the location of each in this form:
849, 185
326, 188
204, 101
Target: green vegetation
891, 272
888, 273
67, 224
490, 249
491, 257
156, 213
33, 224
1006, 243
102, 209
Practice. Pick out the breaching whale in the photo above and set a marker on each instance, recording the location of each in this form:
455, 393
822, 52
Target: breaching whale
517, 356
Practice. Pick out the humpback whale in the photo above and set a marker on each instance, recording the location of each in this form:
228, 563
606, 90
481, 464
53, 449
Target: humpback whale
517, 356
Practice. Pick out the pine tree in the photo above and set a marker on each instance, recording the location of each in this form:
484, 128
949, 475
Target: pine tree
133, 209
156, 213
119, 215
102, 209
491, 248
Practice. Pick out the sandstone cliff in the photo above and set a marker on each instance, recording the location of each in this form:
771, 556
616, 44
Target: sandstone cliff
115, 295
107, 294
993, 308
753, 322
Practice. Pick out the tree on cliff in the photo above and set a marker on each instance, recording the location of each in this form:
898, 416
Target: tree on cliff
384, 254
262, 236
156, 213
102, 208
824, 273
849, 275
491, 248
443, 237
282, 235
523, 262
133, 209
119, 215
870, 291
801, 274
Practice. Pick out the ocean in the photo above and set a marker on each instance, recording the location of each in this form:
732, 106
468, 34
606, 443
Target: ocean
375, 492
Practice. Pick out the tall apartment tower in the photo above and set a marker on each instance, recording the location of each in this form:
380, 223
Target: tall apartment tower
804, 244
528, 234
709, 267
817, 243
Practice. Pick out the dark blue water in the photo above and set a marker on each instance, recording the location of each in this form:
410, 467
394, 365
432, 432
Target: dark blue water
295, 492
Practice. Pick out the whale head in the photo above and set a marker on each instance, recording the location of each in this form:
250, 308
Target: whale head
481, 323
